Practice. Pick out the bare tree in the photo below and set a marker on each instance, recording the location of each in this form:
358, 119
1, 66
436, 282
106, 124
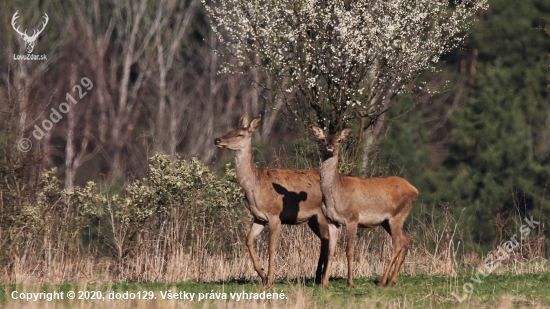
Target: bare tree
75, 157
183, 14
142, 30
155, 84
22, 81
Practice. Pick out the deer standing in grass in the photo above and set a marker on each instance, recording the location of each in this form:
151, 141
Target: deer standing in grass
365, 202
276, 196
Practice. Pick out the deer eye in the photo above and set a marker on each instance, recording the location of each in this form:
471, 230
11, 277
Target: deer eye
241, 135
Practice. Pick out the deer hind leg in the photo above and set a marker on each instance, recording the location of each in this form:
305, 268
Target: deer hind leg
255, 230
274, 229
405, 242
396, 233
351, 230
319, 226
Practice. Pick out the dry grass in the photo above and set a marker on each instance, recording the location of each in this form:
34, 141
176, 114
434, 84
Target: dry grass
196, 254
296, 259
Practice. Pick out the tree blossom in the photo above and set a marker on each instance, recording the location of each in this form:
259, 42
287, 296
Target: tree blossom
339, 60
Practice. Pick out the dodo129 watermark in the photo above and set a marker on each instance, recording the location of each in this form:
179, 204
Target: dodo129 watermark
55, 116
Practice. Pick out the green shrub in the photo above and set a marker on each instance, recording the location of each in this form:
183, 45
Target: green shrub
178, 199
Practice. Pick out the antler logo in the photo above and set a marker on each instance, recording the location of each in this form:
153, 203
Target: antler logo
29, 40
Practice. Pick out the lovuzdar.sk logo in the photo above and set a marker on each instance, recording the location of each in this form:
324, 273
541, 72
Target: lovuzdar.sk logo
30, 40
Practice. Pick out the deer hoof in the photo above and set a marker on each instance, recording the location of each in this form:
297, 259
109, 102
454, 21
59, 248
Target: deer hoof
381, 285
265, 281
267, 285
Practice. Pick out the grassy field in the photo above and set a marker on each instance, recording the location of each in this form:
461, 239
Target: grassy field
420, 291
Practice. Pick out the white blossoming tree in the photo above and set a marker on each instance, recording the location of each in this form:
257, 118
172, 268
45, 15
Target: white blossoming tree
333, 62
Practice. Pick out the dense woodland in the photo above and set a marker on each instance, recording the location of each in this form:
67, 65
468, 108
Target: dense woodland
478, 149
482, 147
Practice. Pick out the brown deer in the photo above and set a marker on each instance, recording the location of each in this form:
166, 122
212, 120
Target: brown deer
365, 202
276, 196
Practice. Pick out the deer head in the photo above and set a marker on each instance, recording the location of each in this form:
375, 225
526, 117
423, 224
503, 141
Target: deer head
240, 137
29, 40
331, 142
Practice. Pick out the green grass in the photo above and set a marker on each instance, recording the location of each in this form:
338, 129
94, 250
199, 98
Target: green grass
420, 291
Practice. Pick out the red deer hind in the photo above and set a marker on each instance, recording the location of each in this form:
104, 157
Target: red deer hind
276, 196
365, 202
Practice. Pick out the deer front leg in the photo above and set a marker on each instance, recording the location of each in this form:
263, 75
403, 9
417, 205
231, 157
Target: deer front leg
256, 229
274, 228
351, 230
333, 238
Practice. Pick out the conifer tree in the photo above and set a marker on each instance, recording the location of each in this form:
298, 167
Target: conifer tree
499, 163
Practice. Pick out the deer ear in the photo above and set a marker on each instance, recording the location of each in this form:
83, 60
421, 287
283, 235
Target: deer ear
243, 122
255, 124
345, 133
318, 132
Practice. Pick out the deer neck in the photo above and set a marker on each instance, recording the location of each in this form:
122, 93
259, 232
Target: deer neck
329, 173
245, 169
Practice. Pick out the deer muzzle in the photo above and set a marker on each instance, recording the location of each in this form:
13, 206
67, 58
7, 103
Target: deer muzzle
218, 143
